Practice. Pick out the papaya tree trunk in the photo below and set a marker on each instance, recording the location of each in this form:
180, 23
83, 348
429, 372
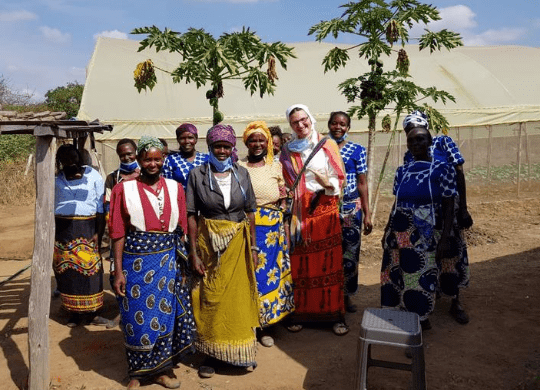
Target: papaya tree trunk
370, 157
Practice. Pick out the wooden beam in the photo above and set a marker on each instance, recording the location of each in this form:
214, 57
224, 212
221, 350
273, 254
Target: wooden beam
40, 281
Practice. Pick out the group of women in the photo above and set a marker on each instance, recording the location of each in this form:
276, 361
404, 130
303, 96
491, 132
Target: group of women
208, 248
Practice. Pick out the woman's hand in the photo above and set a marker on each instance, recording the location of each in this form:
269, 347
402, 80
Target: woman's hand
196, 263
322, 179
443, 247
368, 225
119, 284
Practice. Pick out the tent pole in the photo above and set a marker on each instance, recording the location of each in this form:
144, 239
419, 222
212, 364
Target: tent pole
471, 148
527, 157
490, 140
40, 280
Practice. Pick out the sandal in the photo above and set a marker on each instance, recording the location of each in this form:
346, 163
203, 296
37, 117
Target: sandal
340, 329
267, 341
206, 371
295, 328
167, 382
100, 321
133, 384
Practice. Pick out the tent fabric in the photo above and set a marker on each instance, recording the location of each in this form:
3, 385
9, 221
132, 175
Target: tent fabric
492, 85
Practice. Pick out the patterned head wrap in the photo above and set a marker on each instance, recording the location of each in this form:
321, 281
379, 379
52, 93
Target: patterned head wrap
302, 107
187, 127
146, 142
261, 128
222, 133
415, 119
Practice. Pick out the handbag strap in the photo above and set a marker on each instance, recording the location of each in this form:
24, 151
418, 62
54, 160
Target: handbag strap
303, 169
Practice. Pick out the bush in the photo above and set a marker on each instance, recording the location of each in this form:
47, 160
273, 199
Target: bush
14, 147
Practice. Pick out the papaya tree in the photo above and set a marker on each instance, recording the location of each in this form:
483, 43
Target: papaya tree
382, 28
207, 60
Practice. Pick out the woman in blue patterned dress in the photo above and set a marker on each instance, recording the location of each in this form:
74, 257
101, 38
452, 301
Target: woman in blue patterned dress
355, 202
178, 165
418, 231
454, 269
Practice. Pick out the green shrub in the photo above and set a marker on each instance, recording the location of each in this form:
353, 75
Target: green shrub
15, 147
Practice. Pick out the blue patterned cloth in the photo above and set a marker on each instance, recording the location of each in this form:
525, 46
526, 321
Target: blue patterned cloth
409, 272
442, 148
273, 273
157, 316
355, 160
177, 168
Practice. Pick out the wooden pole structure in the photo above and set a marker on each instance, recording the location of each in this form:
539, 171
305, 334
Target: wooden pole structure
519, 160
527, 157
471, 148
40, 286
490, 140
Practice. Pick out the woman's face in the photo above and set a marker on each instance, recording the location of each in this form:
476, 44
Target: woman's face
300, 123
151, 162
126, 153
187, 142
222, 150
418, 142
256, 144
338, 126
276, 142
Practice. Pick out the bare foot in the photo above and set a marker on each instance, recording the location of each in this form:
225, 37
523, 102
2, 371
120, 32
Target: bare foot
167, 382
133, 384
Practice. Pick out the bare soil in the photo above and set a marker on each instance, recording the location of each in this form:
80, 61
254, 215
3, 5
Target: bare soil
498, 349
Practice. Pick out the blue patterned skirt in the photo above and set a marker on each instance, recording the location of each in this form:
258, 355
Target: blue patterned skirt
351, 230
157, 317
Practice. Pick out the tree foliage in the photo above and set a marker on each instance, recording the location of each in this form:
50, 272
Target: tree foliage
380, 26
66, 98
207, 60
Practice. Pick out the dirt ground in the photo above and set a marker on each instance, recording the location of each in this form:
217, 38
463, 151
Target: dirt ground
498, 349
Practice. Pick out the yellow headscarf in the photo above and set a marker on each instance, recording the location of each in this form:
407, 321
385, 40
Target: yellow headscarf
260, 127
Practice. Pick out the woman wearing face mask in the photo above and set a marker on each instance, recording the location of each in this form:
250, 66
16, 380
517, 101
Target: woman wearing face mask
178, 165
355, 201
148, 217
273, 273
418, 233
79, 226
315, 230
223, 251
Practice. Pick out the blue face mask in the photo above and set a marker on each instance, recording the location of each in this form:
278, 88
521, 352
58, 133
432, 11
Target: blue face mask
220, 166
339, 140
128, 167
299, 145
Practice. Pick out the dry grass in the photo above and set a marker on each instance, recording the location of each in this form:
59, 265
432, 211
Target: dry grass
16, 188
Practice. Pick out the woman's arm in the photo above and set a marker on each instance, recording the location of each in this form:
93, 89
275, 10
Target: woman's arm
362, 185
444, 245
119, 284
464, 217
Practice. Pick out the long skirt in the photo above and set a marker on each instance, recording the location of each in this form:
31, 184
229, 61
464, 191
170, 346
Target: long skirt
225, 301
316, 264
157, 316
273, 273
77, 264
351, 229
409, 272
454, 270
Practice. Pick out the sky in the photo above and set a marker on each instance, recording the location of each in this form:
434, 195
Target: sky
48, 43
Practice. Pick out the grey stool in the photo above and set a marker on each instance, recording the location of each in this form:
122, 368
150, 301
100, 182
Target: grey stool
393, 328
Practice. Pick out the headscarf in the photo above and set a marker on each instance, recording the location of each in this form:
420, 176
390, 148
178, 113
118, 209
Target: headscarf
415, 119
187, 127
146, 142
296, 144
221, 133
261, 128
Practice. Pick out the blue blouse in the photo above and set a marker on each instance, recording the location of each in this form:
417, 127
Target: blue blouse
177, 168
79, 197
442, 148
355, 160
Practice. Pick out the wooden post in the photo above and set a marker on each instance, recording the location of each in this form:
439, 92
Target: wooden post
471, 148
490, 138
527, 158
40, 282
519, 161
28, 164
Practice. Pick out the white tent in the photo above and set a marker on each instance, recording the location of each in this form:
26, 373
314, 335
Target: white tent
492, 85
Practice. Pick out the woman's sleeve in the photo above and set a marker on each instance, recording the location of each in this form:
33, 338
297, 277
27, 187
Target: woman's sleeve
100, 191
361, 161
397, 180
182, 217
118, 216
448, 181
280, 180
251, 202
191, 191
453, 155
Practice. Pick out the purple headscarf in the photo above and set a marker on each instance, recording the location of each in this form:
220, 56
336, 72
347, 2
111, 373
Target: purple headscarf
187, 127
222, 133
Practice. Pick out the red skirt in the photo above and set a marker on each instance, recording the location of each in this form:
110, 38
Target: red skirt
317, 265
